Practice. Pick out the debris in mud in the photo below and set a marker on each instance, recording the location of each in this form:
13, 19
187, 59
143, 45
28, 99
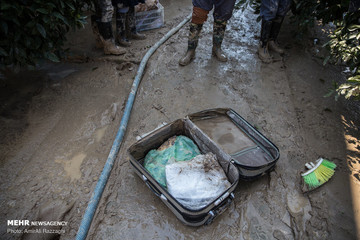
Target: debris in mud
125, 65
77, 59
119, 60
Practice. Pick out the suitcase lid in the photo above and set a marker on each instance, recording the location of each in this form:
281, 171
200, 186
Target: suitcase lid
236, 137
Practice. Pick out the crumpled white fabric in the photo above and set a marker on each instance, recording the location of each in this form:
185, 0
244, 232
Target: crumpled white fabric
198, 182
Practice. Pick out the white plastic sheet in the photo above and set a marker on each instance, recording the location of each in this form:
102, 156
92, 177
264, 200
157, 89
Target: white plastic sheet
198, 182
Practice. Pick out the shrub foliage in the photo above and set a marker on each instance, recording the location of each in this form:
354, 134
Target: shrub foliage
344, 42
35, 29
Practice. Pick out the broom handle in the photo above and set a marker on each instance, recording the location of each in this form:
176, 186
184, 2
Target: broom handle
312, 167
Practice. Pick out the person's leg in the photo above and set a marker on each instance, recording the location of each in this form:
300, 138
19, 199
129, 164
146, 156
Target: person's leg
284, 7
222, 13
131, 25
121, 38
201, 10
268, 10
105, 28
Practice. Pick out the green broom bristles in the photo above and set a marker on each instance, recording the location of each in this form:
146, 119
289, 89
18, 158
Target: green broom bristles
311, 181
328, 164
317, 177
323, 173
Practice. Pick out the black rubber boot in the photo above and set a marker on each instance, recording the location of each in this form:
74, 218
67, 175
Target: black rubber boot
194, 34
105, 30
218, 37
275, 29
95, 30
131, 30
263, 50
121, 29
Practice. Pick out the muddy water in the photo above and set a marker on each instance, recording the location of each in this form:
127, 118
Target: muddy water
72, 166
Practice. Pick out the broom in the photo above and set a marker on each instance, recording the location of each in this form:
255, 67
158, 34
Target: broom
318, 173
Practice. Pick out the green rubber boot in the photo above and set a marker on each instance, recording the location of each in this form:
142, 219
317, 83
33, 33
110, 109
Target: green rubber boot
194, 34
218, 37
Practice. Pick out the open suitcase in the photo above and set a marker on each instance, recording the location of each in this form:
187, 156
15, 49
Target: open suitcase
241, 150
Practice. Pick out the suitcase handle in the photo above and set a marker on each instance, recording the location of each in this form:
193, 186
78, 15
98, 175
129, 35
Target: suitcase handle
150, 186
220, 209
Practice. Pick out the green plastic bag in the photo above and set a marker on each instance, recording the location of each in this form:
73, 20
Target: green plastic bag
183, 149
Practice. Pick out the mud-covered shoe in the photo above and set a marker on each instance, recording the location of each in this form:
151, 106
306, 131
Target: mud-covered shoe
264, 54
219, 54
273, 46
193, 39
218, 37
137, 36
123, 42
189, 55
111, 49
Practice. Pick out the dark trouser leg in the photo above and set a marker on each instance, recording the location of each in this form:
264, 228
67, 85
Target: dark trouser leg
131, 25
218, 37
121, 28
263, 50
275, 29
95, 30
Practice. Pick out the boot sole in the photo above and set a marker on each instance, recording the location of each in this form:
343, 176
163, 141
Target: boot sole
221, 60
265, 60
279, 52
116, 54
187, 63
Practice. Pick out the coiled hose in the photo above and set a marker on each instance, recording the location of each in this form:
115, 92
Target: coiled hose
100, 186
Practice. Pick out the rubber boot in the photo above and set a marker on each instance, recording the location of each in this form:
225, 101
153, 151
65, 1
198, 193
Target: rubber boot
275, 29
218, 37
132, 33
121, 29
193, 40
263, 50
95, 30
106, 36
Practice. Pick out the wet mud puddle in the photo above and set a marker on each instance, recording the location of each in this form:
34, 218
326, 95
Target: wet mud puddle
226, 134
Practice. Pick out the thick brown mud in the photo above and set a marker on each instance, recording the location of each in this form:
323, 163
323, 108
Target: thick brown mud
57, 126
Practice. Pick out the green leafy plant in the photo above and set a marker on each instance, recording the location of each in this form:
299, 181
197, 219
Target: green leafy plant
351, 88
345, 46
33, 30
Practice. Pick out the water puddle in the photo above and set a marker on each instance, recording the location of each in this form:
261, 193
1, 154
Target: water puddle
72, 166
225, 134
99, 134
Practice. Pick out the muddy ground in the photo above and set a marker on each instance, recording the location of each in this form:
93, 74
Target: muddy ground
58, 123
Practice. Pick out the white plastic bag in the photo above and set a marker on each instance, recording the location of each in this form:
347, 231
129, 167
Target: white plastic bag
198, 182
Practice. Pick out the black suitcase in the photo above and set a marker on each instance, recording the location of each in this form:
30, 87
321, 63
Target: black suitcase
241, 151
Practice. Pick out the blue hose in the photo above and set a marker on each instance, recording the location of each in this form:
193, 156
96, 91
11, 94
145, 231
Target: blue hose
100, 186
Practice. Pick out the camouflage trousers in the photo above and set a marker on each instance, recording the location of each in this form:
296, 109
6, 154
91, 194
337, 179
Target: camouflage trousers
104, 10
194, 35
125, 21
218, 33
